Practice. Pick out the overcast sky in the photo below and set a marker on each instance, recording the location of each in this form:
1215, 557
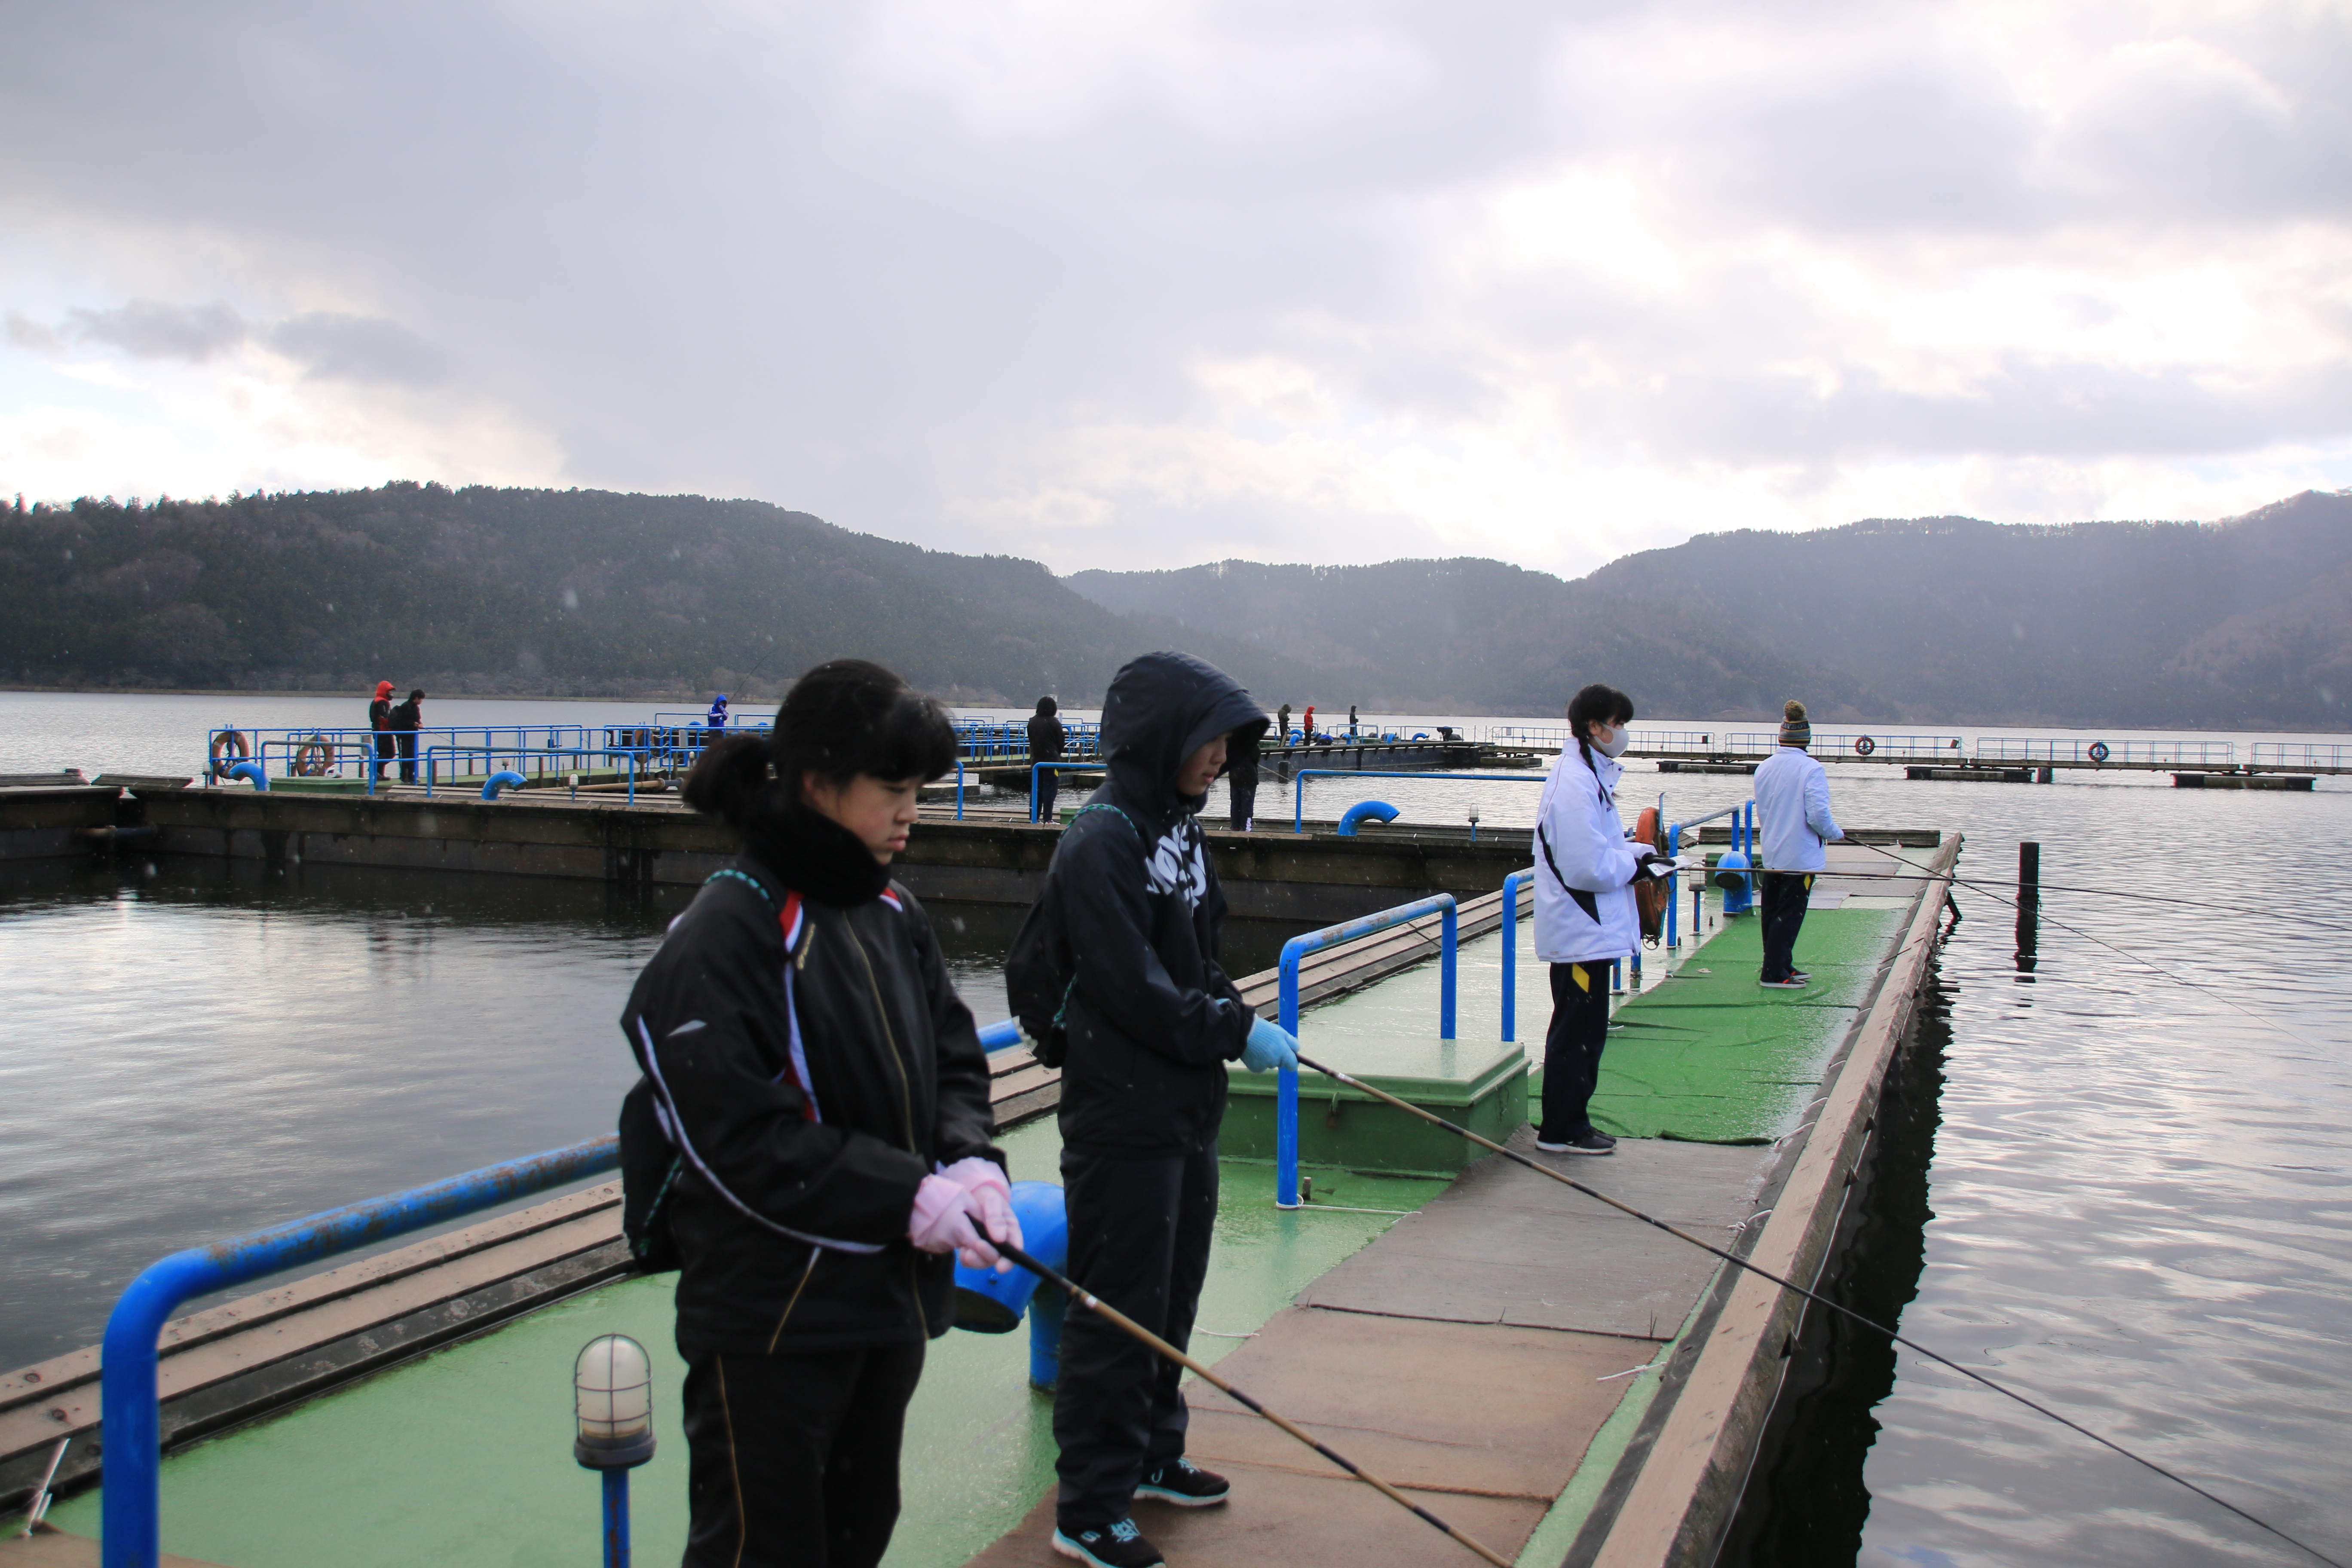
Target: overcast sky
1146, 285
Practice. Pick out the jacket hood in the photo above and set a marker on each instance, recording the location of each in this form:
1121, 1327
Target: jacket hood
383, 688
1162, 708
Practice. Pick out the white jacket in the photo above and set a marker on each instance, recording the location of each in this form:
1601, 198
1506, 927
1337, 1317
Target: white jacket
1792, 812
1584, 885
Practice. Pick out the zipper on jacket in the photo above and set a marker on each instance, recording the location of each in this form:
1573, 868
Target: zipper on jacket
814, 1253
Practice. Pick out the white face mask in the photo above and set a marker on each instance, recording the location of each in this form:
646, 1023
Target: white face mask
1616, 746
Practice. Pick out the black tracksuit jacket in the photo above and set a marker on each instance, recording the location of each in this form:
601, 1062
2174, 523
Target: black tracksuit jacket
1132, 912
791, 1222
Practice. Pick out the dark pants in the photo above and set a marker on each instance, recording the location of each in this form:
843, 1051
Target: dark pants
383, 752
794, 1459
1049, 785
1140, 1234
1786, 893
1244, 802
407, 739
1580, 1029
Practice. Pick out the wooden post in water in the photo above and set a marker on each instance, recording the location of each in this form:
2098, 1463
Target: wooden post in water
2028, 903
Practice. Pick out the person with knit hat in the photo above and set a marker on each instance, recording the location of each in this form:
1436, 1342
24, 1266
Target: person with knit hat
1793, 823
380, 721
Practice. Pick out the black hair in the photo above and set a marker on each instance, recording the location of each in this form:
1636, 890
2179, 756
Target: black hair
1047, 705
846, 716
1596, 702
417, 695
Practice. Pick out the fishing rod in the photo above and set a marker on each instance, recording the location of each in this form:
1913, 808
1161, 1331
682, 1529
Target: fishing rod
1758, 1269
1121, 1321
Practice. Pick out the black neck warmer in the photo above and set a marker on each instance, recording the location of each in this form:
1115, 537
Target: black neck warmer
811, 854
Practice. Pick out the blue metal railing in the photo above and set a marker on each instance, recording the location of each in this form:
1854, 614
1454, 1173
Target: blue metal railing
1511, 885
492, 755
1285, 1107
132, 1506
1037, 768
1298, 784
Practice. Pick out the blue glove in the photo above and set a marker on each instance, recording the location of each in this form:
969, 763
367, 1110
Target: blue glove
1269, 1046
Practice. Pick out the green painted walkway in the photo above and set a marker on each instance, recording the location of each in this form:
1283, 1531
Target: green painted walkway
463, 1458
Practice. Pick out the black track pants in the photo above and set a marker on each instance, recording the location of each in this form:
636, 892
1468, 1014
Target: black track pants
1580, 1029
1785, 897
1049, 789
794, 1459
1140, 1234
1245, 805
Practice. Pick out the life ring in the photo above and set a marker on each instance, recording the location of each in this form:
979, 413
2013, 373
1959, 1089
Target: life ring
1650, 894
2099, 752
1864, 745
225, 743
316, 759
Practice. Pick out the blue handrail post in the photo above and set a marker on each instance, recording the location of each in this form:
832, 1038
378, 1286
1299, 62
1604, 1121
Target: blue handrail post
131, 1509
1673, 887
1033, 786
1450, 925
1286, 1087
958, 789
1511, 885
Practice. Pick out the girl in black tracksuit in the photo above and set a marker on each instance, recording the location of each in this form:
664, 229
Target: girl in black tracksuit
815, 1120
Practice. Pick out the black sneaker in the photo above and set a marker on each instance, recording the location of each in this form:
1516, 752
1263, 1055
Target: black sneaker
1794, 983
1186, 1485
1119, 1545
1591, 1141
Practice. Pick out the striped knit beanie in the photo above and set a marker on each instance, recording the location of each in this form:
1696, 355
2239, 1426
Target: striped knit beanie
1796, 729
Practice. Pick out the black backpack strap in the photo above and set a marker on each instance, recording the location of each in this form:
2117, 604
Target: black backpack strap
1584, 901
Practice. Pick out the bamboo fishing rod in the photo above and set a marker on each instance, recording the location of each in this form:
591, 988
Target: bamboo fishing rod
1121, 1321
1762, 1272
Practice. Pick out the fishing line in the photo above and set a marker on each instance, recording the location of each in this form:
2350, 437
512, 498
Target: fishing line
2220, 996
1162, 1347
1626, 1208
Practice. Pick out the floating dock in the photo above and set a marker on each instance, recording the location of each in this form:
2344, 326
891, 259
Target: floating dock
1562, 1382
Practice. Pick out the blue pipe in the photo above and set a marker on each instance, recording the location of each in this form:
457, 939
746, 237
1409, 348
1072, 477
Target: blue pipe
132, 1506
1370, 811
617, 1519
1674, 885
1286, 1100
1298, 782
1511, 885
508, 778
251, 773
1002, 1034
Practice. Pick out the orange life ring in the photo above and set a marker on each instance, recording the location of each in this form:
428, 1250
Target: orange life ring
316, 759
1650, 894
1864, 745
225, 741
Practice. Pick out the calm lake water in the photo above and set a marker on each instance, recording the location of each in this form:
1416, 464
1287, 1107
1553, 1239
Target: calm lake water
2120, 1179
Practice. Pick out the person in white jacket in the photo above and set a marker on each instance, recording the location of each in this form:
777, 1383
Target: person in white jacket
1793, 823
1585, 918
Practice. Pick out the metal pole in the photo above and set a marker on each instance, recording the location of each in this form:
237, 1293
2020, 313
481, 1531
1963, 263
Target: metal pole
2029, 904
617, 1519
1450, 925
1285, 1089
1674, 891
1511, 885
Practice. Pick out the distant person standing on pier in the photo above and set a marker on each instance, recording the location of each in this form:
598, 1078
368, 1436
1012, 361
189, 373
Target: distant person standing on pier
1116, 975
380, 721
403, 722
1793, 823
1241, 779
812, 1137
1585, 917
1307, 724
716, 720
1048, 741
1282, 726
1351, 720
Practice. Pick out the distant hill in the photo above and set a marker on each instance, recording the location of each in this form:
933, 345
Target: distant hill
581, 592
2241, 623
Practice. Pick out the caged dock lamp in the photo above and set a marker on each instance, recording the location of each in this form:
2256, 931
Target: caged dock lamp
613, 1391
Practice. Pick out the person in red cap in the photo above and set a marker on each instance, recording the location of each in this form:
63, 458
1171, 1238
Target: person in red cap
380, 721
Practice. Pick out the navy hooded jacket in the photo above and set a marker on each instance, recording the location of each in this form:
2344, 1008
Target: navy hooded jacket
1131, 914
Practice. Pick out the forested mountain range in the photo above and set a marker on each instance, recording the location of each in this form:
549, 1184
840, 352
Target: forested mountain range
2241, 623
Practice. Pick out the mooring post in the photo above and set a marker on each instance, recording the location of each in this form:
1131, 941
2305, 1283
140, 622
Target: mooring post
2029, 902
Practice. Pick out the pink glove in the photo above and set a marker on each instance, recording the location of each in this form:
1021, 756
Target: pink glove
985, 1180
942, 1222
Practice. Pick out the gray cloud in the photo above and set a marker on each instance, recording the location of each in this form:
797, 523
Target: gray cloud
148, 329
897, 264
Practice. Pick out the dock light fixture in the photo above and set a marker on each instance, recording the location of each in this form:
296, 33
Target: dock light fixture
613, 1393
1473, 825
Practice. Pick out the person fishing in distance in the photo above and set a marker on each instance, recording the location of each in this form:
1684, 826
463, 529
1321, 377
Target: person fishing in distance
1793, 824
1585, 914
1116, 975
812, 1138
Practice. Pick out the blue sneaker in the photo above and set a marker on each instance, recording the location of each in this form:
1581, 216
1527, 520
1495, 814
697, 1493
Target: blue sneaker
1186, 1485
1119, 1545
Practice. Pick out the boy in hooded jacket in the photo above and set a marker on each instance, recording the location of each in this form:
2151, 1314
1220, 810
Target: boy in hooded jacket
1116, 965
